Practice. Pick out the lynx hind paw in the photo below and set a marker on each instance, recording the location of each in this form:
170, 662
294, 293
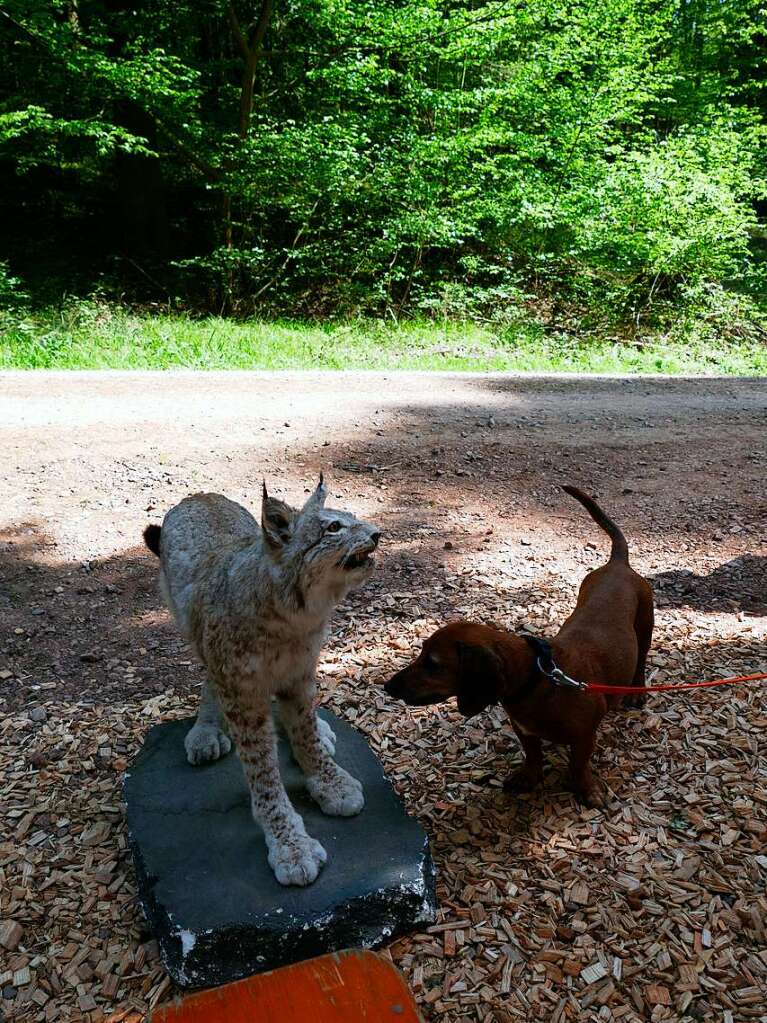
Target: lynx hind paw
327, 736
205, 743
339, 795
297, 861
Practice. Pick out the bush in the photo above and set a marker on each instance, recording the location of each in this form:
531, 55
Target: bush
394, 158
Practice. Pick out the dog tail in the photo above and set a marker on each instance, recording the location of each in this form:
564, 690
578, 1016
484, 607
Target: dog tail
620, 551
152, 538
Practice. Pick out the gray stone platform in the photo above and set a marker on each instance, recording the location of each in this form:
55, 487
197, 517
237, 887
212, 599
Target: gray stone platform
208, 892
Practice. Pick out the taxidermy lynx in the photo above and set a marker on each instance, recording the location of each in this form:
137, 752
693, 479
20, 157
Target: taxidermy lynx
254, 602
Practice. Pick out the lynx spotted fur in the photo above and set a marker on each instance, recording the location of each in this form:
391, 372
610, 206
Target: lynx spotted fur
254, 603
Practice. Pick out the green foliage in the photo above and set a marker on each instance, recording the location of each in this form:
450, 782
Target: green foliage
663, 221
13, 307
599, 160
12, 294
93, 335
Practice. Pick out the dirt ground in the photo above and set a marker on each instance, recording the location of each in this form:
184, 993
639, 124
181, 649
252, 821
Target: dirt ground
651, 909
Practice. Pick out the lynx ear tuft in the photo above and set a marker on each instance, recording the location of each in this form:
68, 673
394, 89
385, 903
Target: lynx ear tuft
316, 501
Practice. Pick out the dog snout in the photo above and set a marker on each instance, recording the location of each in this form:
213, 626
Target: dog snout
392, 687
395, 687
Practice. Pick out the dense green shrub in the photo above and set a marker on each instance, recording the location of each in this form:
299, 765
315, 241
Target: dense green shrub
600, 156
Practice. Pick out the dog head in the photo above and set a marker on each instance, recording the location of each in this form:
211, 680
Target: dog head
461, 659
323, 546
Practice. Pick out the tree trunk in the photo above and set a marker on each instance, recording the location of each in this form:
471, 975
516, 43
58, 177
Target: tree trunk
250, 49
141, 205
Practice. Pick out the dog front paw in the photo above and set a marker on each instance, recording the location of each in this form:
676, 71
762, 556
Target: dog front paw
298, 860
205, 743
327, 736
523, 780
593, 797
636, 702
336, 792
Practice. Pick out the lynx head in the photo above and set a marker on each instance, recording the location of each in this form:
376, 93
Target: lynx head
327, 549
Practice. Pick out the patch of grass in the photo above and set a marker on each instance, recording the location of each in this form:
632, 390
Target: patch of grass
92, 335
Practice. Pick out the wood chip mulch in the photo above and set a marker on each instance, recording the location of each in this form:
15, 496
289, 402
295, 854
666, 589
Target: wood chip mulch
651, 909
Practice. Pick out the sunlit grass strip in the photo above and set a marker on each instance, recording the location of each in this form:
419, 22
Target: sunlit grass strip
99, 337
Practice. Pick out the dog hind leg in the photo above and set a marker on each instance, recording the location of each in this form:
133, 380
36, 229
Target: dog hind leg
643, 626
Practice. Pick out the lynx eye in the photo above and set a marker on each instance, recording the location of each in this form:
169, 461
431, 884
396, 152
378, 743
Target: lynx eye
334, 527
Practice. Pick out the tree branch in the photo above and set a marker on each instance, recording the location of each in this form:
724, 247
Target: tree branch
239, 35
251, 51
259, 29
208, 170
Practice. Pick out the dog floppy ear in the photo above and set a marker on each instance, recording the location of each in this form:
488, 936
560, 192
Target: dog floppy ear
481, 678
277, 520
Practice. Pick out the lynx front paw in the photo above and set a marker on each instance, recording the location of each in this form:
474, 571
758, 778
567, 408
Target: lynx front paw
338, 794
327, 736
205, 743
298, 860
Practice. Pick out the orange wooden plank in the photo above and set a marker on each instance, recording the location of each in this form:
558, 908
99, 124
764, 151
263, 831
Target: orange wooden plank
353, 986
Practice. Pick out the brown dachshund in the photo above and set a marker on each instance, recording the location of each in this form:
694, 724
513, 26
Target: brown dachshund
605, 639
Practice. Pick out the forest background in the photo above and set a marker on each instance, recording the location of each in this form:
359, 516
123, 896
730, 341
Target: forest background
344, 182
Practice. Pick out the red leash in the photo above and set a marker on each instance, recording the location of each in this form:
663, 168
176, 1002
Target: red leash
548, 667
597, 687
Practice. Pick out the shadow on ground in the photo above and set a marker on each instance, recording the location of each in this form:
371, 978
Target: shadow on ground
466, 490
738, 585
91, 630
97, 631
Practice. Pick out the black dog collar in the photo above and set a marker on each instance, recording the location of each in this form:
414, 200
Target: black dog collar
547, 665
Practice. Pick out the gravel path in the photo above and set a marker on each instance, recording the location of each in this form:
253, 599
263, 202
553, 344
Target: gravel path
541, 898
